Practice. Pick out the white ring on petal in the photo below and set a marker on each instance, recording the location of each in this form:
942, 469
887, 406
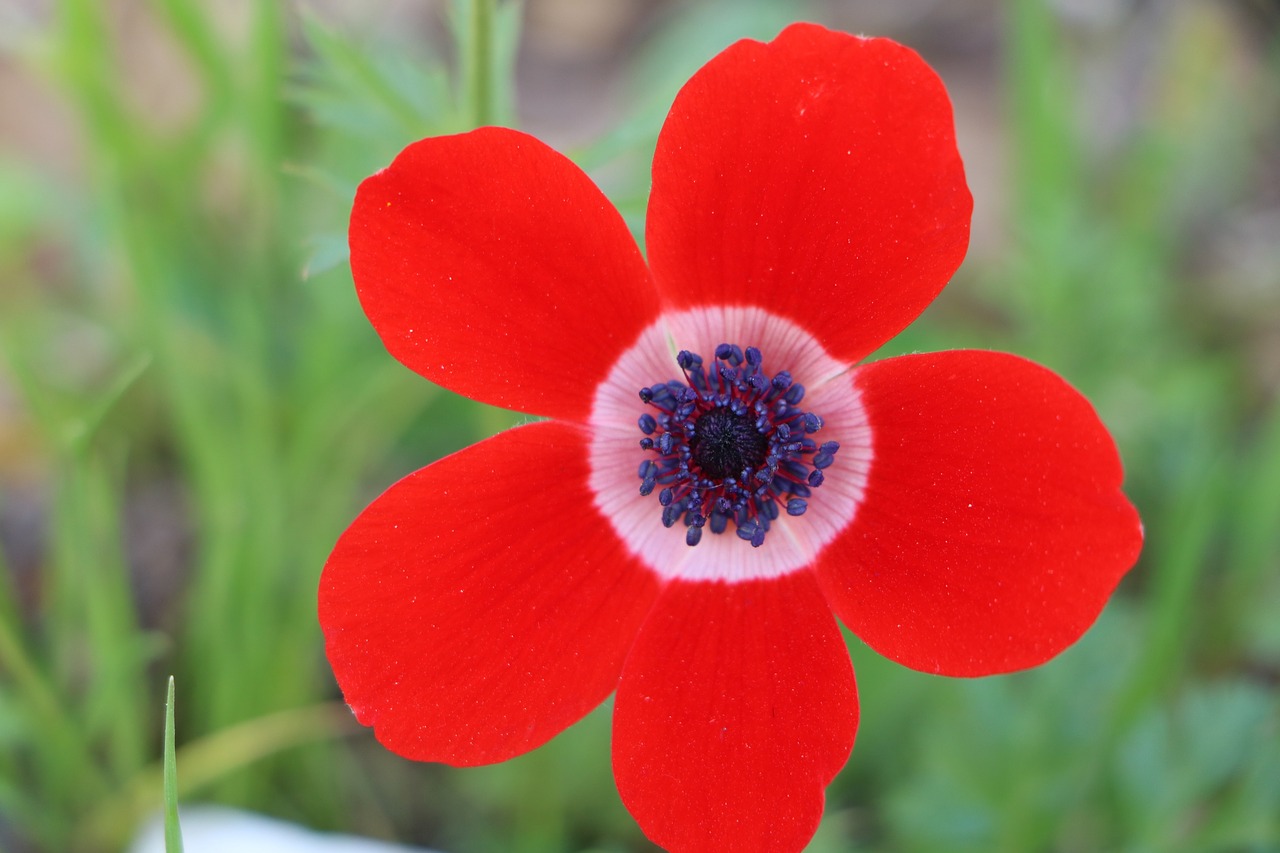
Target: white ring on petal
793, 541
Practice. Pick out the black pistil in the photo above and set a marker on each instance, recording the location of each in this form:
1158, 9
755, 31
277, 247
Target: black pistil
724, 443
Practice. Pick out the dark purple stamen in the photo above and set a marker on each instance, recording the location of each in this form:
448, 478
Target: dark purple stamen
731, 445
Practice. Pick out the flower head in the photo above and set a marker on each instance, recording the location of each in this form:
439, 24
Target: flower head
718, 475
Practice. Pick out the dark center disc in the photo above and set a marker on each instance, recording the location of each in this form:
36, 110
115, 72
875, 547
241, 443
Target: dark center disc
725, 443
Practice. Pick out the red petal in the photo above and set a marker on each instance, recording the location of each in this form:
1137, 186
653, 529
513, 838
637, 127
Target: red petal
736, 707
494, 266
815, 176
470, 613
993, 528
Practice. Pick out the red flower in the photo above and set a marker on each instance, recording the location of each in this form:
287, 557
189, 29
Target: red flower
959, 511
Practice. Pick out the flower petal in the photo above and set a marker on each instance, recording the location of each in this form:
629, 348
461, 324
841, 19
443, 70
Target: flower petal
492, 265
815, 176
736, 707
993, 528
471, 613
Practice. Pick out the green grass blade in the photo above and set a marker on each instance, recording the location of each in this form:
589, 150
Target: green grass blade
172, 831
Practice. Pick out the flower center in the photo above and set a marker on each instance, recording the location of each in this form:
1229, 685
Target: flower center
725, 443
732, 444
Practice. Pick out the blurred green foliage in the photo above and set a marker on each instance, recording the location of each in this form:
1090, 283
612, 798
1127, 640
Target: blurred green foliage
178, 320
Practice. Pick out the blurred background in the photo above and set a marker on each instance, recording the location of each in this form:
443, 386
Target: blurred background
192, 405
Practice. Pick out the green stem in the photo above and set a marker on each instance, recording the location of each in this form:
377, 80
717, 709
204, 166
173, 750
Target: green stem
479, 61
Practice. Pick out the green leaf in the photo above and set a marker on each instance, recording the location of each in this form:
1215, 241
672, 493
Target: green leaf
172, 831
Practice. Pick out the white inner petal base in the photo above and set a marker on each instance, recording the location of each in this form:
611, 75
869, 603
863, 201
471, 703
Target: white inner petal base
793, 541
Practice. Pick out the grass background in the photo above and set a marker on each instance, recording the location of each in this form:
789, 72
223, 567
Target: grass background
192, 405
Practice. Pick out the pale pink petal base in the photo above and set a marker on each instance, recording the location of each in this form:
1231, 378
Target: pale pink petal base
615, 454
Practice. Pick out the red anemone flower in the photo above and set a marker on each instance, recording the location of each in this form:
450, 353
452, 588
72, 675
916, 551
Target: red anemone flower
718, 476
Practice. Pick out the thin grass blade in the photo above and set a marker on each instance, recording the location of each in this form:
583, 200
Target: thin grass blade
172, 831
